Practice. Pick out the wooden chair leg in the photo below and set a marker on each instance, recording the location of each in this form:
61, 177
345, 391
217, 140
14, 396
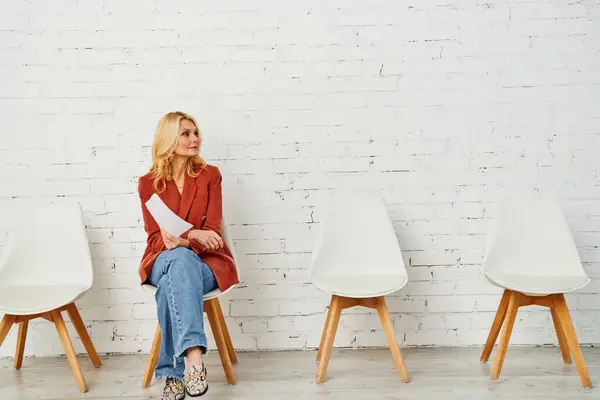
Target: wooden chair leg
496, 325
83, 333
384, 316
21, 343
69, 350
560, 334
228, 342
213, 319
152, 358
511, 315
330, 329
564, 317
5, 325
320, 350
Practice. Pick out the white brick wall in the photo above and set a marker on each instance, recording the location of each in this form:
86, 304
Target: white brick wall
438, 104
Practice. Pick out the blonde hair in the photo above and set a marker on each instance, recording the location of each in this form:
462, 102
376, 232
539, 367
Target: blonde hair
163, 147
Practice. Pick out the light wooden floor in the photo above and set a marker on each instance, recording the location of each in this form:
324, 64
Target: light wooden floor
440, 373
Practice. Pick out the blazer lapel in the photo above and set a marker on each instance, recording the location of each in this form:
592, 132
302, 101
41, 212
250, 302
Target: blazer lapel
187, 197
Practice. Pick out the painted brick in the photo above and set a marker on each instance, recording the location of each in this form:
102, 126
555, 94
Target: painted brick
292, 104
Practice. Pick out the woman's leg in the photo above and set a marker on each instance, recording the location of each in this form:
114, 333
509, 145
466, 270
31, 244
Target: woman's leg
182, 279
195, 372
209, 283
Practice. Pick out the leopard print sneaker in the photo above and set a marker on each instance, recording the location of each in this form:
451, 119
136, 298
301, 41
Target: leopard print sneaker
174, 389
195, 380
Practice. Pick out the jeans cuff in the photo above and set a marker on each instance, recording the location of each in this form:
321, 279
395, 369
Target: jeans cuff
188, 344
173, 373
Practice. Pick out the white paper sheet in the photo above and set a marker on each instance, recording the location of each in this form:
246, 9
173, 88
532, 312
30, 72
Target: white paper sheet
165, 218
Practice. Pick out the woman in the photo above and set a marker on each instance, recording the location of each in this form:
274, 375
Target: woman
187, 267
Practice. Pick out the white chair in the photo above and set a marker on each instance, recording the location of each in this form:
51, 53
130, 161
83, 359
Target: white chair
358, 260
213, 311
531, 254
45, 268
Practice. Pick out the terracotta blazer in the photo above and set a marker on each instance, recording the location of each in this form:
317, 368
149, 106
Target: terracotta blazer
200, 204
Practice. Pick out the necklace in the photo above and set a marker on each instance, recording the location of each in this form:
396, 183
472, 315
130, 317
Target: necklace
182, 182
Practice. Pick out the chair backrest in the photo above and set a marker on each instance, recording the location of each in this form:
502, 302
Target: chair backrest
531, 236
226, 235
49, 246
356, 235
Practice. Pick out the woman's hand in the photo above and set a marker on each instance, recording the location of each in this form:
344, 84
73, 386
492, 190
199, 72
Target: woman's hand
171, 241
209, 239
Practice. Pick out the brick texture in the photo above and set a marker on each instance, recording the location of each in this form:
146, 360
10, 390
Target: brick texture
436, 104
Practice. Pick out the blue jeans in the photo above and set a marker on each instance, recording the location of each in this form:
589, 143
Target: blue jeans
182, 279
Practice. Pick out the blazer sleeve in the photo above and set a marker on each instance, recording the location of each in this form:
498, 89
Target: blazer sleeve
214, 213
155, 240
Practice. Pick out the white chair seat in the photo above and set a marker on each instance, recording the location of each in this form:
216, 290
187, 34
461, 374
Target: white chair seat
36, 275
359, 285
357, 254
35, 299
531, 249
536, 284
210, 295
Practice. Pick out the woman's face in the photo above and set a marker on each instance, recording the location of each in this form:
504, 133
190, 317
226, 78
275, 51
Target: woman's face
188, 142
